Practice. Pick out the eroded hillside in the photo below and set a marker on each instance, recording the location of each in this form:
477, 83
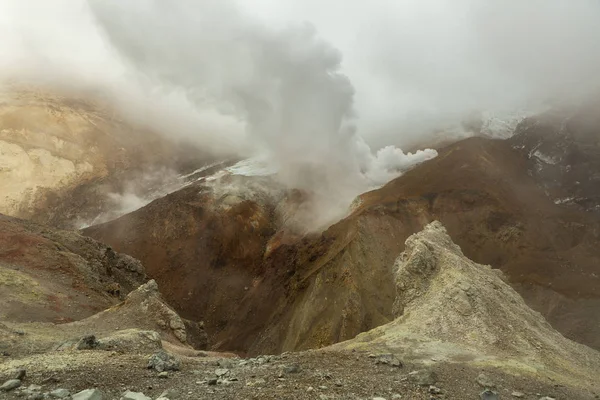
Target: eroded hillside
63, 154
324, 288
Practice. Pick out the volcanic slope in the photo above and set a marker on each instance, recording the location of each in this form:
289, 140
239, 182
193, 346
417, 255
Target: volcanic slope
229, 260
449, 308
458, 331
63, 154
51, 275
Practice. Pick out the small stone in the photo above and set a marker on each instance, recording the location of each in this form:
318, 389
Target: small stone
163, 375
378, 398
323, 397
257, 382
547, 398
484, 381
19, 374
389, 359
434, 390
212, 381
170, 394
88, 342
50, 379
323, 387
36, 396
292, 369
396, 396
338, 384
219, 372
134, 396
163, 361
88, 394
10, 385
310, 389
225, 363
488, 395
423, 377
60, 393
518, 394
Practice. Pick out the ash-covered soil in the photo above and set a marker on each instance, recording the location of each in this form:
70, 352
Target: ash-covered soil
305, 375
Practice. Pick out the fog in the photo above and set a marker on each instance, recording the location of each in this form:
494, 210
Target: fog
328, 91
418, 65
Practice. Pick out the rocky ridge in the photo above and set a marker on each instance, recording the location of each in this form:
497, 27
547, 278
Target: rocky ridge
460, 332
237, 250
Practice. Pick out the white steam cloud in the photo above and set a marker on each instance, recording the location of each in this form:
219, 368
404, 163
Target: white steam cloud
251, 77
285, 84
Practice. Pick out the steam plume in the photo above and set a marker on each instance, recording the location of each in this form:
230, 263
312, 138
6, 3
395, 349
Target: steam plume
242, 75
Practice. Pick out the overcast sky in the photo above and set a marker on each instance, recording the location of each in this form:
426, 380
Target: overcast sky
316, 86
411, 62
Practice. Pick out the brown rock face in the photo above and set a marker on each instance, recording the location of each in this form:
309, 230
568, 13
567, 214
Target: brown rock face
50, 275
261, 290
563, 155
62, 155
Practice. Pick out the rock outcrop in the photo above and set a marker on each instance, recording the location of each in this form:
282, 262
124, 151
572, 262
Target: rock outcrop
451, 308
563, 154
66, 158
138, 325
59, 276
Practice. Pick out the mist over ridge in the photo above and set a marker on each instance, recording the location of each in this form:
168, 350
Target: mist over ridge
324, 91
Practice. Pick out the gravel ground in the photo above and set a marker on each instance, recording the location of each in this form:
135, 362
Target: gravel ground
307, 375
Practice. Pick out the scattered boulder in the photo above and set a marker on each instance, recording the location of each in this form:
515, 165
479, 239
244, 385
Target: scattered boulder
220, 372
163, 375
484, 381
547, 398
225, 363
423, 377
488, 395
32, 389
170, 394
435, 390
163, 361
87, 342
60, 393
257, 382
88, 394
10, 385
292, 369
19, 374
132, 340
212, 381
389, 359
134, 396
50, 379
518, 394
